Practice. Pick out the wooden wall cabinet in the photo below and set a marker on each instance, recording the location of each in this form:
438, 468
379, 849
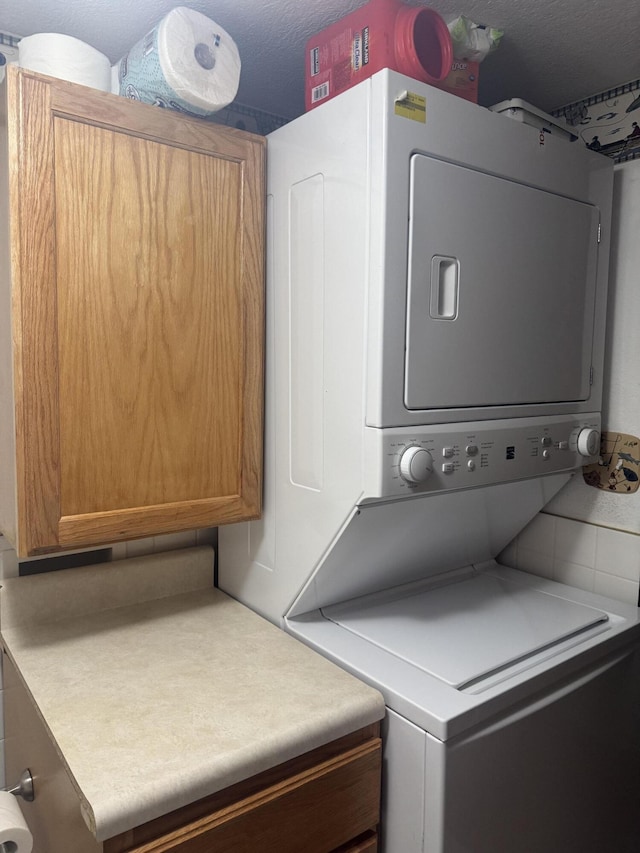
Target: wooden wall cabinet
131, 330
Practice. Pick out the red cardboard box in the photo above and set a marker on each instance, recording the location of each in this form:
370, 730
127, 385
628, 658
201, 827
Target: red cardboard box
462, 80
413, 40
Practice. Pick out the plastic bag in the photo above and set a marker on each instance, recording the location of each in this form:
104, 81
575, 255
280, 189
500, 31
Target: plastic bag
471, 41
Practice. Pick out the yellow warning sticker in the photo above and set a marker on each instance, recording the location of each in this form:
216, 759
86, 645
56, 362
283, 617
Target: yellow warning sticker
412, 106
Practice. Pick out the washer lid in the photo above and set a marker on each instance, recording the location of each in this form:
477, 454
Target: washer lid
466, 631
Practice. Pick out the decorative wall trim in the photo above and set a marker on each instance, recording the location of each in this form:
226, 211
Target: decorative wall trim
10, 41
608, 122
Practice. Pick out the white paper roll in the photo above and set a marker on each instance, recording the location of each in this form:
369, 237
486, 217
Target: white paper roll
66, 57
14, 832
187, 62
115, 79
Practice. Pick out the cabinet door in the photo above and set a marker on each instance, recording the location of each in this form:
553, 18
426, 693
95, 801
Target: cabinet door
138, 318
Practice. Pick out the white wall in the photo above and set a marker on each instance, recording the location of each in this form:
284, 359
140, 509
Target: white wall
588, 556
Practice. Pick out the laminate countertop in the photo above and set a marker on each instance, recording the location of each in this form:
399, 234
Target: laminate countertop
158, 690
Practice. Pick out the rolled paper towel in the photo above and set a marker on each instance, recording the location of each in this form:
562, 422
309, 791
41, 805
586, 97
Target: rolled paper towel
187, 63
14, 832
65, 57
115, 79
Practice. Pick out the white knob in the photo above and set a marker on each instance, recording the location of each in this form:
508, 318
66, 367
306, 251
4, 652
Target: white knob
588, 442
416, 464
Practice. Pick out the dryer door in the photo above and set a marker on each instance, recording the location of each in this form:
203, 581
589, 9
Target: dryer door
501, 291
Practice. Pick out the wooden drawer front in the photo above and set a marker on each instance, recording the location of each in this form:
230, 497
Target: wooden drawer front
367, 843
317, 811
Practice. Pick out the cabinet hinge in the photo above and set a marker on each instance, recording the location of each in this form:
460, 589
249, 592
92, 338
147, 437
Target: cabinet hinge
599, 232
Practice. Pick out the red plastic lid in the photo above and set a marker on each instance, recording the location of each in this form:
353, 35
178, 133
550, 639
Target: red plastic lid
423, 45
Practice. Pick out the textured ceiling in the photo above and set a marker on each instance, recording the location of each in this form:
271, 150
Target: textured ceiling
554, 52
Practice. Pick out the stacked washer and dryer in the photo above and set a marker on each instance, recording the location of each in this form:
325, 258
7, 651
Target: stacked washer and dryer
436, 301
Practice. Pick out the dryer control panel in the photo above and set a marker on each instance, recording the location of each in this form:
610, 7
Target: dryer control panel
415, 460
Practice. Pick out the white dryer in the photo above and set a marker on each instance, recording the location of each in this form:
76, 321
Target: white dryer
436, 299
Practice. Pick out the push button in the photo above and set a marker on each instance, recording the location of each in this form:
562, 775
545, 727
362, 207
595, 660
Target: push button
471, 465
448, 468
447, 452
471, 449
546, 454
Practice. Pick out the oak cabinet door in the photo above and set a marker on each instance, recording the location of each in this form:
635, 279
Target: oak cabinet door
137, 286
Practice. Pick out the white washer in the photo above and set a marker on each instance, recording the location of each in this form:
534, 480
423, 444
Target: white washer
512, 719
436, 301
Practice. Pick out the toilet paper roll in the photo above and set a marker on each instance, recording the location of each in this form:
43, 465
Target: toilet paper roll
115, 79
187, 62
14, 832
65, 57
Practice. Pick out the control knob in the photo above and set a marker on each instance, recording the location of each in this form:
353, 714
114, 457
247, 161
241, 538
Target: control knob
588, 442
416, 464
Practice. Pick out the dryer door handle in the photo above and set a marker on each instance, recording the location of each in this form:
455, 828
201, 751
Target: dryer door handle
445, 283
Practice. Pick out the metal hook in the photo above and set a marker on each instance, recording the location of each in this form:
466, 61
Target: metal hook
24, 788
